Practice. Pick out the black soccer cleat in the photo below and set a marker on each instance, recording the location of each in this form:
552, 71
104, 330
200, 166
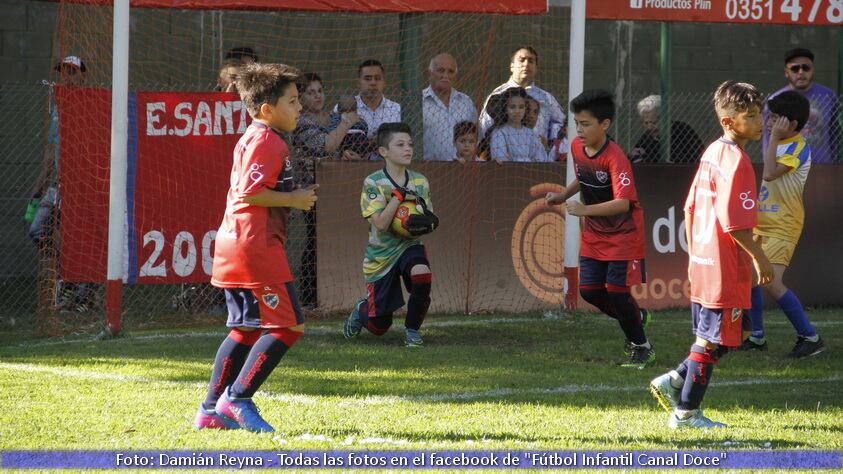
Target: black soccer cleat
806, 348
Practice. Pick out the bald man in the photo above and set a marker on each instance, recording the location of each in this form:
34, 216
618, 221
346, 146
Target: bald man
442, 108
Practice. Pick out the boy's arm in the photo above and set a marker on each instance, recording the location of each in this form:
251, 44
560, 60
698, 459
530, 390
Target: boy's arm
608, 208
772, 168
763, 267
303, 198
383, 219
567, 192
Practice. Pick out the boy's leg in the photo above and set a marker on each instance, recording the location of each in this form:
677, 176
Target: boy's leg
714, 328
279, 313
593, 285
756, 316
415, 271
620, 276
374, 313
230, 358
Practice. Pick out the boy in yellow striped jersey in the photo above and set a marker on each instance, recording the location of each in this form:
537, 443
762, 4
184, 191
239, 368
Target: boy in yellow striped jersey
787, 161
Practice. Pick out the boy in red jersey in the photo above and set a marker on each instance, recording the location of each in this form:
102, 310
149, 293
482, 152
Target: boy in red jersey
249, 260
720, 212
612, 249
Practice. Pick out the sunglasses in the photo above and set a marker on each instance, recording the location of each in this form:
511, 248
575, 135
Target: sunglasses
795, 68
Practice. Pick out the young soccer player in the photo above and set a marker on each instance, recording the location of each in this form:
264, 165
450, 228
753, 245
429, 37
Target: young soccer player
719, 216
249, 262
612, 248
787, 161
390, 258
465, 141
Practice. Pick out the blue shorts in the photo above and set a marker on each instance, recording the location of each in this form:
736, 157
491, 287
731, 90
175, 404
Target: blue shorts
718, 326
384, 296
270, 306
615, 272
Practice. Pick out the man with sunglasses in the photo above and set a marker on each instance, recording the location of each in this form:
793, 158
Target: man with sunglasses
822, 131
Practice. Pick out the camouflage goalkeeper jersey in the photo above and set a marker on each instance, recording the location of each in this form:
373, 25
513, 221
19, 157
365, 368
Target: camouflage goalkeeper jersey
384, 247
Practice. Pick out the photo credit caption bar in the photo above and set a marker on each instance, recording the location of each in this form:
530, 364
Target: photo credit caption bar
420, 459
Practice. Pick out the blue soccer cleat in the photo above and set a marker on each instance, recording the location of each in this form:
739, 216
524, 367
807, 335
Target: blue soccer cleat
209, 419
243, 412
412, 338
352, 326
697, 420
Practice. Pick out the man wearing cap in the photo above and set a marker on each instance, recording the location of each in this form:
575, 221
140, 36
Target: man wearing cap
75, 297
823, 128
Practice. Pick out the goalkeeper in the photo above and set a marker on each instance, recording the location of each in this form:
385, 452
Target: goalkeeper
389, 258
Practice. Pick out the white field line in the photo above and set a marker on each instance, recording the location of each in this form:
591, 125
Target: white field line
384, 400
321, 329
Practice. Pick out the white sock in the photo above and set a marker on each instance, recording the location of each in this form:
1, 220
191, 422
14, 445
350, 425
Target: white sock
675, 380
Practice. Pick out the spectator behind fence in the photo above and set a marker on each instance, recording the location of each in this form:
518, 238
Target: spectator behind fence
510, 139
523, 67
443, 107
823, 128
322, 134
227, 78
465, 142
372, 106
317, 135
242, 54
685, 144
68, 296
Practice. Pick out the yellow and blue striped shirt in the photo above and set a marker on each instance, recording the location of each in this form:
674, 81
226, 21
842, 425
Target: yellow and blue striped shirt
781, 212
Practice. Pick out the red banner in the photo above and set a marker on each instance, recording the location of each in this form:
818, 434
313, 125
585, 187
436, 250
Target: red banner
786, 12
512, 7
183, 162
179, 159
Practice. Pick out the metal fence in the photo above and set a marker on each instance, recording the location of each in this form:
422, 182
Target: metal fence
29, 280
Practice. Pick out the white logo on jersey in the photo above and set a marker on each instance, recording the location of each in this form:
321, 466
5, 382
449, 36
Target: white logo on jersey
624, 179
254, 173
602, 176
746, 201
703, 229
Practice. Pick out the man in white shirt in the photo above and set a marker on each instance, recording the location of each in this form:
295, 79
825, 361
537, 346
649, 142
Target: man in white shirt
372, 106
442, 108
524, 67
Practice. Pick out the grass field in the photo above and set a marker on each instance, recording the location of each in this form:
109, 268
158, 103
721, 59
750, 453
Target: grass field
481, 382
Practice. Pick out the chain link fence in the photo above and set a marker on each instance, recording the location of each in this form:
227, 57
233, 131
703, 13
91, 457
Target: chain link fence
31, 291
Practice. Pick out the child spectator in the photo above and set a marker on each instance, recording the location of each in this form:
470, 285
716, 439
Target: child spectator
719, 216
389, 258
355, 144
787, 161
612, 249
510, 139
250, 263
465, 142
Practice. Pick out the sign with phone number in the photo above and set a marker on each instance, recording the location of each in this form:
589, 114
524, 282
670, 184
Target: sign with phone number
787, 12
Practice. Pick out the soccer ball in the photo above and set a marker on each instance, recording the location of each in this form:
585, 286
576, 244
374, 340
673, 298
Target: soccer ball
402, 214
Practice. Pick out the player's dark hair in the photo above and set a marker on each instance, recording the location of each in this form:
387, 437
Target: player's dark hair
528, 48
369, 63
387, 130
793, 105
733, 97
264, 83
598, 102
464, 128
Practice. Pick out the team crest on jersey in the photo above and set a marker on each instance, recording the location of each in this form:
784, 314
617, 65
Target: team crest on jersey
271, 300
602, 176
736, 314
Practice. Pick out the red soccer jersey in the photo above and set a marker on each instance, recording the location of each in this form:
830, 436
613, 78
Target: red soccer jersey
604, 177
249, 249
721, 200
